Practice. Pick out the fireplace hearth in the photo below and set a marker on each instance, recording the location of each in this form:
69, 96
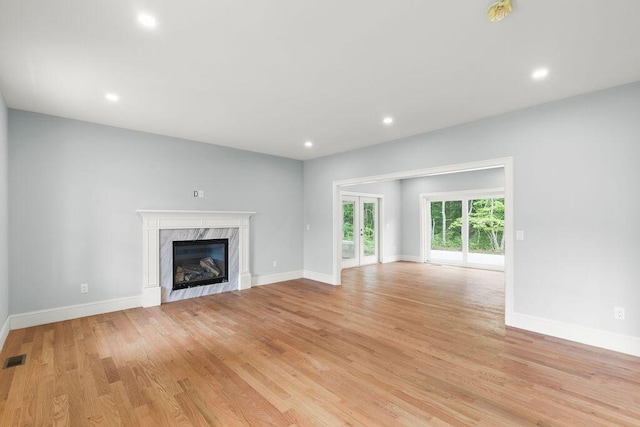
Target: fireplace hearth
200, 263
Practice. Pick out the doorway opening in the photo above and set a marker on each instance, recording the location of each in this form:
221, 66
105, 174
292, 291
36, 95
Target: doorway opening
506, 164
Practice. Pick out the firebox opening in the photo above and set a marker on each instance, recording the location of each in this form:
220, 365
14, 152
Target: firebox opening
200, 262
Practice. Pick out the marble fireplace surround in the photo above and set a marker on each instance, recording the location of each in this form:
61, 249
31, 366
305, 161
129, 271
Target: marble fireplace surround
154, 221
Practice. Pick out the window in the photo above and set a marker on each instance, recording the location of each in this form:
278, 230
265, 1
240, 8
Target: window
473, 236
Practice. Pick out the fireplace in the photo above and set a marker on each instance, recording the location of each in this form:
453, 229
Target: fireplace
200, 263
161, 228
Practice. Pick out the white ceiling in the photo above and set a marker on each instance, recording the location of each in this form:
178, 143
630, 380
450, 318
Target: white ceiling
268, 75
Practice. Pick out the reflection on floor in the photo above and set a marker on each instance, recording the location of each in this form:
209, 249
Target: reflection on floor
486, 259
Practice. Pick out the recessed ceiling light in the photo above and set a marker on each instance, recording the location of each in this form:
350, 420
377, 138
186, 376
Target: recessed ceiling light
387, 120
540, 74
147, 20
112, 97
308, 144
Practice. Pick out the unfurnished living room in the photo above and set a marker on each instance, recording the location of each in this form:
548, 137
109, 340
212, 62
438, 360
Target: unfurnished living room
293, 213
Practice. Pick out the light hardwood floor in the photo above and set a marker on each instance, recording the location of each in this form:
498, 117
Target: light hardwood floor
397, 344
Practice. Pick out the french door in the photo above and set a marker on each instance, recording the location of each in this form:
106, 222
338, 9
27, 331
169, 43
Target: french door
359, 231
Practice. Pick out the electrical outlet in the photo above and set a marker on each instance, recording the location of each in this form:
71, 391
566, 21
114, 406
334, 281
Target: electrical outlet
275, 263
618, 313
84, 288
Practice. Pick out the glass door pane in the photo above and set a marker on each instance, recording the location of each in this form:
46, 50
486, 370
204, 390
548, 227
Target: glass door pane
446, 230
486, 231
350, 233
369, 230
369, 212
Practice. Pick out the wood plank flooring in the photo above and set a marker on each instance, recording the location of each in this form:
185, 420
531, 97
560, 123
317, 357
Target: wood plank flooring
397, 344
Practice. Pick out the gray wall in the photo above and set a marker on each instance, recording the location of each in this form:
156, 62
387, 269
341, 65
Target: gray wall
4, 215
76, 186
411, 189
392, 227
576, 176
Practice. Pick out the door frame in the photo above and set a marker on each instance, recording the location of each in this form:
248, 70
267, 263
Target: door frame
505, 162
446, 196
380, 220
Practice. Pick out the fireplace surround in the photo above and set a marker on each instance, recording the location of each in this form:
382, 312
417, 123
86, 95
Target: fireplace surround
161, 227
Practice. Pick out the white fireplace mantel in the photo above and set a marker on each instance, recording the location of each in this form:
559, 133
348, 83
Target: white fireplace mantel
154, 221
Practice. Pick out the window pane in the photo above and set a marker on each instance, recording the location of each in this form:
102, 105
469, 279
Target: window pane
446, 230
486, 231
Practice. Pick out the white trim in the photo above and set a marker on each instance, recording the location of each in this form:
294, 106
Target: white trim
320, 277
193, 214
42, 317
391, 258
276, 278
468, 194
151, 296
336, 228
410, 258
611, 341
244, 281
425, 253
360, 194
4, 332
509, 251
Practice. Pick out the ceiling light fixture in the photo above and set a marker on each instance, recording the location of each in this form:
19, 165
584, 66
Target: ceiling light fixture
147, 20
308, 144
111, 97
540, 74
499, 10
387, 120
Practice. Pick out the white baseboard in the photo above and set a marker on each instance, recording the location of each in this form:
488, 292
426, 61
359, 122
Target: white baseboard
42, 317
410, 258
151, 296
391, 258
320, 277
275, 278
244, 281
611, 341
4, 332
